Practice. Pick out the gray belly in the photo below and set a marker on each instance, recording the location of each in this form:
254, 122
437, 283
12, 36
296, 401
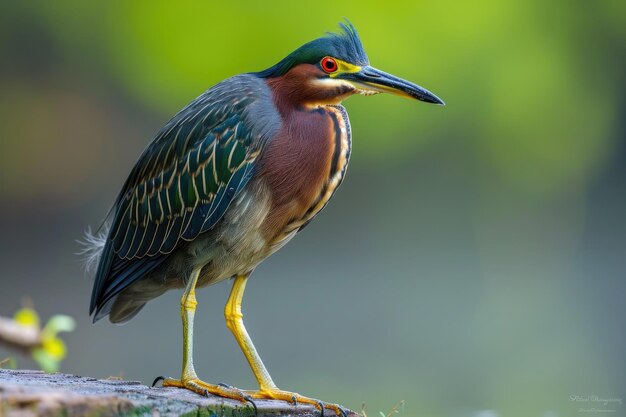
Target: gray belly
236, 245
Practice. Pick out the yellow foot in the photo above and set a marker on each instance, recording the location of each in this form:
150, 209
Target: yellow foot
200, 387
292, 397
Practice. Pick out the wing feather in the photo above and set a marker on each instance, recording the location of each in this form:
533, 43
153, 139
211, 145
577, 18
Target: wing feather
184, 181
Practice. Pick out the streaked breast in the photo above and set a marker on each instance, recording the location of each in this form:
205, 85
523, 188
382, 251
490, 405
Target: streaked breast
334, 149
342, 148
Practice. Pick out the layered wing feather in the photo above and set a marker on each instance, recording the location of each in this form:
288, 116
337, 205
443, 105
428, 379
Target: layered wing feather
184, 181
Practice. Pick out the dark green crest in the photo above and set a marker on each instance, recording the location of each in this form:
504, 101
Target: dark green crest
345, 45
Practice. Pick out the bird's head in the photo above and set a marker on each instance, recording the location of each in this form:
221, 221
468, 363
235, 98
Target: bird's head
334, 67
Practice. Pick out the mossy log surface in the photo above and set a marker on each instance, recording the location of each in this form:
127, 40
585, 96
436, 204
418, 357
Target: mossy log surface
34, 393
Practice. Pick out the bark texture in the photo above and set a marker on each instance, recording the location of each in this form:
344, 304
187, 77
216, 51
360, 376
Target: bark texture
34, 393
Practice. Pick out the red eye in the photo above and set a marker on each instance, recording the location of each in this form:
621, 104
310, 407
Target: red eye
329, 65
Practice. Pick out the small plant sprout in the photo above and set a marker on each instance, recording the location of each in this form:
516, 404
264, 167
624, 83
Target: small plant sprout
51, 350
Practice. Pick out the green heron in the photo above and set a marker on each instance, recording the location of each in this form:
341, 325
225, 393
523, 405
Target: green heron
227, 182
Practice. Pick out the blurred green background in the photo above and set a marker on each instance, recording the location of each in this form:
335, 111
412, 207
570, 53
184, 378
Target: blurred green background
473, 262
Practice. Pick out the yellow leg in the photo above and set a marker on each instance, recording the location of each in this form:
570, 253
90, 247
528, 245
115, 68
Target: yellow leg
189, 379
234, 321
188, 305
267, 387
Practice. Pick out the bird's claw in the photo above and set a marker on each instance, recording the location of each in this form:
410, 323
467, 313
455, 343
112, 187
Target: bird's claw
228, 391
157, 379
321, 405
251, 401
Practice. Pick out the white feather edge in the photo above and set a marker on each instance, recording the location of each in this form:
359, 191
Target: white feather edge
92, 245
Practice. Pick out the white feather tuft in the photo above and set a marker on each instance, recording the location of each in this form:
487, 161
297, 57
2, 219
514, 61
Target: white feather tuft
92, 247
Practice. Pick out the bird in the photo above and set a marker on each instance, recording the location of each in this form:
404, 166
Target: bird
227, 182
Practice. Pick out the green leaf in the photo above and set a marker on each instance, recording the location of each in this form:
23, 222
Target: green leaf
59, 323
46, 362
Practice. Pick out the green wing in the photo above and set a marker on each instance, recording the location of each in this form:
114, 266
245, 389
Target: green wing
184, 181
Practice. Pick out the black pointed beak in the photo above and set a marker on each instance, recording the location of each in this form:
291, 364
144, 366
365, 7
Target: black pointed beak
370, 79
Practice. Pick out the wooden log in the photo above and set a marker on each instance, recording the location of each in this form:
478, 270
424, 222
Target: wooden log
34, 393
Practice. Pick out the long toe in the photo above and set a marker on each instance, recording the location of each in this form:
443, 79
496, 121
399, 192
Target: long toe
203, 388
296, 399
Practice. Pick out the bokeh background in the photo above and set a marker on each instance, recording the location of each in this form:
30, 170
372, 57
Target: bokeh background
473, 262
